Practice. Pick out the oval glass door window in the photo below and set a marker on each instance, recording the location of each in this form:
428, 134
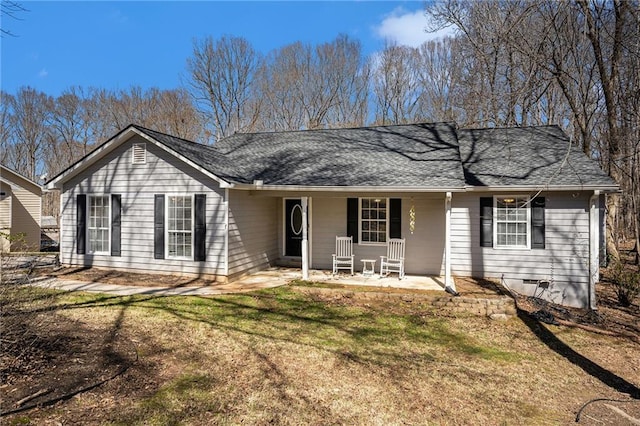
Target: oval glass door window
296, 219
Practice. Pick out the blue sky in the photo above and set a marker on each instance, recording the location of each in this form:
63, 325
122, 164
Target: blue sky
115, 45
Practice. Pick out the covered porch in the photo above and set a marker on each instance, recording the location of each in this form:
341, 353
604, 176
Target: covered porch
309, 226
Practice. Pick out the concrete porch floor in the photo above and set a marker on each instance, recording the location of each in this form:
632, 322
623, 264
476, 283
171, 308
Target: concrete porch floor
413, 282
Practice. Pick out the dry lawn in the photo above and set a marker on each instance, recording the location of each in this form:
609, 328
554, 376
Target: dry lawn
278, 357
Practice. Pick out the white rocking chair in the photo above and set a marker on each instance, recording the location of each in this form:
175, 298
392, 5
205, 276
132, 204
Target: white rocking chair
394, 260
343, 257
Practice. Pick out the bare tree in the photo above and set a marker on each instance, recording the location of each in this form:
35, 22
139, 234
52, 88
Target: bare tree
396, 86
7, 102
305, 86
222, 76
10, 9
439, 75
561, 60
30, 127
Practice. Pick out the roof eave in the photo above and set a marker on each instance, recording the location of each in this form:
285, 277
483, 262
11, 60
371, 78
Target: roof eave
14, 184
110, 145
526, 188
329, 188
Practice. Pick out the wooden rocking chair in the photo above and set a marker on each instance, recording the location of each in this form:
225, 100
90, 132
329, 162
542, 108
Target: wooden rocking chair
394, 260
343, 257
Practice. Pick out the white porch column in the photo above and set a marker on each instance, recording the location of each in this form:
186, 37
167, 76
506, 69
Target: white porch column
61, 249
447, 244
594, 246
305, 239
225, 204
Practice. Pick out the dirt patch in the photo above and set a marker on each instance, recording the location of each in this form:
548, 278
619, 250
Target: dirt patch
95, 275
57, 359
609, 318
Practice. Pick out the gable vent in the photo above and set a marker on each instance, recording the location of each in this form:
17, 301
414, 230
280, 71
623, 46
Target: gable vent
139, 153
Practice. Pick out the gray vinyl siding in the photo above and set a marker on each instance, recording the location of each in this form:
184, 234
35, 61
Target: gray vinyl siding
424, 250
137, 183
564, 262
253, 232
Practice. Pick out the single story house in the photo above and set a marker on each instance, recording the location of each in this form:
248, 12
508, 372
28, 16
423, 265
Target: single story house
20, 209
517, 204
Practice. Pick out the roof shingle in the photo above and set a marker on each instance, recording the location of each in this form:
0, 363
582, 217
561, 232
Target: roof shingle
426, 156
525, 156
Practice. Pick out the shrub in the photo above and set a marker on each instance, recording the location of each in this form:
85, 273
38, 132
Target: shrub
626, 282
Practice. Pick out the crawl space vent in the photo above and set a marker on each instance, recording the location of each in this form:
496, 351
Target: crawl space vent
139, 153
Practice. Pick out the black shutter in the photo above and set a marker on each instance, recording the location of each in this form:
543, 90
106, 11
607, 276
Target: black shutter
81, 223
395, 218
200, 230
115, 224
486, 222
352, 218
537, 223
158, 239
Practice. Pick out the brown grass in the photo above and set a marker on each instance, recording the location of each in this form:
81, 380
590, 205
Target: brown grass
276, 357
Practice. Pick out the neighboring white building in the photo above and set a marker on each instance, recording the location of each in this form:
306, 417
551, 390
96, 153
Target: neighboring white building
20, 209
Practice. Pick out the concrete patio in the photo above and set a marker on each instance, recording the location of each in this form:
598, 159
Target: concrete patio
412, 282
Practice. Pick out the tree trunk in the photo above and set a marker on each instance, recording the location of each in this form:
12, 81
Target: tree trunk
611, 226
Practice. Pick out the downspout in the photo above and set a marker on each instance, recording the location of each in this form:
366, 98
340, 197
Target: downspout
305, 241
594, 247
450, 285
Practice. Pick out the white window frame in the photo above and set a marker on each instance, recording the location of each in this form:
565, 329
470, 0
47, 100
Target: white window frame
167, 221
360, 221
527, 207
89, 227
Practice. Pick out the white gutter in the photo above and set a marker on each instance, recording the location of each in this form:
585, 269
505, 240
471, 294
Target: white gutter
503, 188
302, 188
259, 186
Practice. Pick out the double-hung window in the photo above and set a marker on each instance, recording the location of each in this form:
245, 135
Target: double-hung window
179, 226
512, 222
373, 220
98, 223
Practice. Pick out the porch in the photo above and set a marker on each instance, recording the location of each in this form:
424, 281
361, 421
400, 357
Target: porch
308, 227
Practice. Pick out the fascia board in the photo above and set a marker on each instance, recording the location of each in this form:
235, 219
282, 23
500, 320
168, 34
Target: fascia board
89, 159
546, 188
107, 147
222, 182
302, 188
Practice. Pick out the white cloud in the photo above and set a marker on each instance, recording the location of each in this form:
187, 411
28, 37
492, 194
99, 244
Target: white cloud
408, 28
118, 17
43, 73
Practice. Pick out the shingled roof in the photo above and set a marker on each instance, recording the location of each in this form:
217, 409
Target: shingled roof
427, 156
526, 156
436, 156
413, 155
